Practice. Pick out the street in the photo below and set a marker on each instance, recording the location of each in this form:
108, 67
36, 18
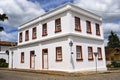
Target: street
14, 75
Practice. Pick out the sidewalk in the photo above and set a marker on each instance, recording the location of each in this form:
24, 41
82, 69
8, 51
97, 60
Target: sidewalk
61, 73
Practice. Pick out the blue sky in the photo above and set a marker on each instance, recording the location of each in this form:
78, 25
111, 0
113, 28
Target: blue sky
21, 11
50, 4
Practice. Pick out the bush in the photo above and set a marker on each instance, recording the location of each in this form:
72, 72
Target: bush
3, 63
109, 65
115, 64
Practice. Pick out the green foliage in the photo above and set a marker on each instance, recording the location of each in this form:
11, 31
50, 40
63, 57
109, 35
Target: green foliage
2, 18
115, 64
3, 63
113, 40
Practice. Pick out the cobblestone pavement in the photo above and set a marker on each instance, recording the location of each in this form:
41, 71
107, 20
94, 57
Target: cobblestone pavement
14, 75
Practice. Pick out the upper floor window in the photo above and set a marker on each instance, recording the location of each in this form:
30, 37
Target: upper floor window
34, 33
26, 35
79, 53
77, 24
22, 57
44, 29
58, 53
97, 29
58, 25
90, 53
88, 27
99, 53
20, 37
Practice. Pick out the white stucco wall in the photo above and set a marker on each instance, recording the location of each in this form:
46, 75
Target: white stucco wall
53, 40
86, 64
3, 52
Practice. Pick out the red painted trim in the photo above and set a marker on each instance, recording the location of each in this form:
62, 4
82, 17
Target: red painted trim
79, 24
97, 32
31, 58
92, 53
100, 57
56, 31
22, 55
43, 26
20, 37
88, 23
79, 59
34, 36
26, 35
43, 58
56, 54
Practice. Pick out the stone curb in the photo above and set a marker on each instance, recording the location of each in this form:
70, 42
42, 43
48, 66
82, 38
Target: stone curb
61, 73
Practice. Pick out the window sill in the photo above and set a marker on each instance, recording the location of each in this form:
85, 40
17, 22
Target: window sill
89, 32
20, 41
100, 58
79, 59
22, 62
34, 37
58, 60
44, 34
27, 40
98, 34
58, 31
78, 30
90, 59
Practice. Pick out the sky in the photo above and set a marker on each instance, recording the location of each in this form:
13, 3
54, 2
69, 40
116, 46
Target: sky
21, 11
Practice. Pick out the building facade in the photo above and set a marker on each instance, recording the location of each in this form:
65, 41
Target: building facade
112, 54
4, 46
63, 39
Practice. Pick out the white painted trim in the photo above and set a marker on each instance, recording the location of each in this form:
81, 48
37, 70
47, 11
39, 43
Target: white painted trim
61, 35
66, 7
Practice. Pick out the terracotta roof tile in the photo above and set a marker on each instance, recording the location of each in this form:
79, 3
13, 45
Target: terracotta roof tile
5, 43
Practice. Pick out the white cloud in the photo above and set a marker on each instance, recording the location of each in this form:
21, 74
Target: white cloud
8, 36
18, 12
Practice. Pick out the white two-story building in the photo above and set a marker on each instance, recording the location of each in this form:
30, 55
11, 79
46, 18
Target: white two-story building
63, 39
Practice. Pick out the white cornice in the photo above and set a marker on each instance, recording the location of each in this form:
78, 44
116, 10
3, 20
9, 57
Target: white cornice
59, 10
62, 35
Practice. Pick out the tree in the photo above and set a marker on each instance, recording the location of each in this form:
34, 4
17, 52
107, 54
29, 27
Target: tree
113, 40
2, 18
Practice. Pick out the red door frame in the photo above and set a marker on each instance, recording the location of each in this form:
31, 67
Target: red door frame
31, 53
43, 58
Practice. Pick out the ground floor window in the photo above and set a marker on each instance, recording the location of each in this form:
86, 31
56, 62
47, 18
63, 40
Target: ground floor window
22, 57
99, 53
79, 53
90, 53
58, 53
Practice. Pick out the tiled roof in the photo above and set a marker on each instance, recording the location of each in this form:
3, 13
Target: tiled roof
5, 43
112, 50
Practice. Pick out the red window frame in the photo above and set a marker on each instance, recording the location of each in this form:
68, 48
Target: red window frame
57, 57
22, 57
80, 53
99, 53
44, 32
20, 37
97, 29
88, 27
90, 53
26, 35
58, 25
34, 33
77, 24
